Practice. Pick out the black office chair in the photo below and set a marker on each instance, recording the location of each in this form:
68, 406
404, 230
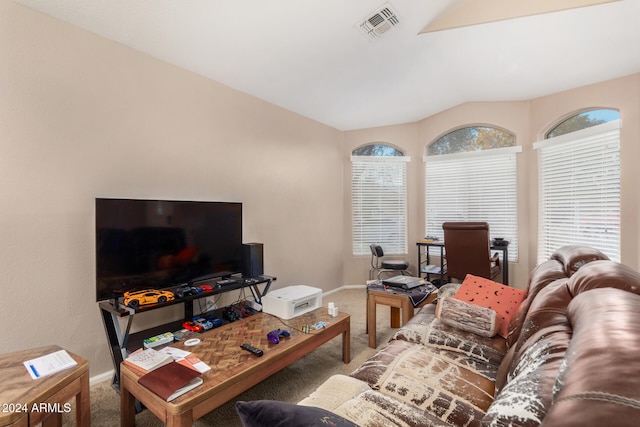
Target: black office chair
386, 266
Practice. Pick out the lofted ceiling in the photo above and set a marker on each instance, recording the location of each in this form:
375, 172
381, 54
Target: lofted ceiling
312, 56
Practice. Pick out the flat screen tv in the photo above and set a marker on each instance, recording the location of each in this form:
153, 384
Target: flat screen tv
155, 244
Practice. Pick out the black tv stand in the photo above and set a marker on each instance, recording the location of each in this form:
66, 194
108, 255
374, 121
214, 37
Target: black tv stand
121, 342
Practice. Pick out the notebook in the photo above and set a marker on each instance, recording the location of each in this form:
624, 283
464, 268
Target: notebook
171, 380
404, 282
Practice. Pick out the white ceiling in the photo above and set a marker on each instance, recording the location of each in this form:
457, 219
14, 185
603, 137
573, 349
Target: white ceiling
309, 57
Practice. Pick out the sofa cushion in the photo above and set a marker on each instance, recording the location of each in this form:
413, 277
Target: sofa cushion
527, 395
376, 409
573, 257
335, 391
467, 317
547, 313
604, 274
271, 413
417, 374
354, 400
541, 276
448, 290
504, 300
598, 379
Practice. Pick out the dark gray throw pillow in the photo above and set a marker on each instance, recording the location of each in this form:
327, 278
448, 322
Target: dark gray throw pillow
271, 413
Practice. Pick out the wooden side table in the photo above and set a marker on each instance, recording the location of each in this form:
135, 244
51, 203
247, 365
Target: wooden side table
28, 402
398, 302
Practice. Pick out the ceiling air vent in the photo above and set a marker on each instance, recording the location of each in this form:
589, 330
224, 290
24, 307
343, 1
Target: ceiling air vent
379, 22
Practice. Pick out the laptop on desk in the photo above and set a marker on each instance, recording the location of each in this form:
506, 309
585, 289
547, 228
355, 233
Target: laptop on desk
404, 282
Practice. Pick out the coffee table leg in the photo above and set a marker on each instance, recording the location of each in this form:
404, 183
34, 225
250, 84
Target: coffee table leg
184, 419
371, 320
127, 408
346, 343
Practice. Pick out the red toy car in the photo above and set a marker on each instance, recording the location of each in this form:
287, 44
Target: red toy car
192, 326
206, 288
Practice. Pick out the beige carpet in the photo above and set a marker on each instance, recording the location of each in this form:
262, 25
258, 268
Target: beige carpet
292, 384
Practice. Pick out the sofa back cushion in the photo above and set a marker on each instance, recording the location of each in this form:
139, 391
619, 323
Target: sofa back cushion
605, 274
598, 379
545, 273
573, 257
564, 262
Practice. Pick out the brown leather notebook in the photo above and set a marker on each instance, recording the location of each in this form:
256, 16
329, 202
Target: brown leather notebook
166, 380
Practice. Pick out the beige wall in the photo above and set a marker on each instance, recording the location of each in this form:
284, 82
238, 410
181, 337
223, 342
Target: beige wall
528, 120
83, 117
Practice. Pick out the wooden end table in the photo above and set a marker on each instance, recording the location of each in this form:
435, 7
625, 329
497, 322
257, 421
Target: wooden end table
233, 370
29, 402
398, 301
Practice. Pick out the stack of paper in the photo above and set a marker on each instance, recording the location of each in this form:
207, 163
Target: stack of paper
49, 364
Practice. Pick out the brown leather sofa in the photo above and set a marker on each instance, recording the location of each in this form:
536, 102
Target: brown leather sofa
572, 358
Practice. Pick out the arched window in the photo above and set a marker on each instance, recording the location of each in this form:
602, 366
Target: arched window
583, 120
472, 138
379, 198
376, 150
470, 175
579, 192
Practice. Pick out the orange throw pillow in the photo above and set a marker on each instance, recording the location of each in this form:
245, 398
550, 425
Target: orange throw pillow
502, 299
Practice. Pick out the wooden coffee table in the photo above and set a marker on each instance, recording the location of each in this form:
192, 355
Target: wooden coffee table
234, 370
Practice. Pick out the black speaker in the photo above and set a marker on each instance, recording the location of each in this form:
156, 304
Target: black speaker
252, 260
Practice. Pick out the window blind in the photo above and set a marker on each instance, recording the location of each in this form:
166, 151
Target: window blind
474, 186
379, 203
579, 190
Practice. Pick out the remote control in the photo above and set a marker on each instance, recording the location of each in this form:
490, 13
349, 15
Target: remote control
252, 349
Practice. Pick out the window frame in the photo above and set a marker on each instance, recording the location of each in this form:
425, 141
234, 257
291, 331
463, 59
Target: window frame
474, 178
565, 150
378, 199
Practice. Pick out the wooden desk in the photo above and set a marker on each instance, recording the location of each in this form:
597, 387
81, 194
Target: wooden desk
398, 302
234, 370
28, 402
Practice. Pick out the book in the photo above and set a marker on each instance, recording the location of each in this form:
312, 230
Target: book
148, 360
182, 390
49, 364
193, 362
187, 359
432, 269
171, 380
158, 340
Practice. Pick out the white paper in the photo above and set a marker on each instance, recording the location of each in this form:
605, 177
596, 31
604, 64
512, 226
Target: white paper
201, 367
49, 364
176, 353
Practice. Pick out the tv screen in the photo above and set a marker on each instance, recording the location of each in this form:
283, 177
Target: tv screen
155, 244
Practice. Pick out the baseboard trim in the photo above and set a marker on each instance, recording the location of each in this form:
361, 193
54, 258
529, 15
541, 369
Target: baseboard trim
105, 376
343, 288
